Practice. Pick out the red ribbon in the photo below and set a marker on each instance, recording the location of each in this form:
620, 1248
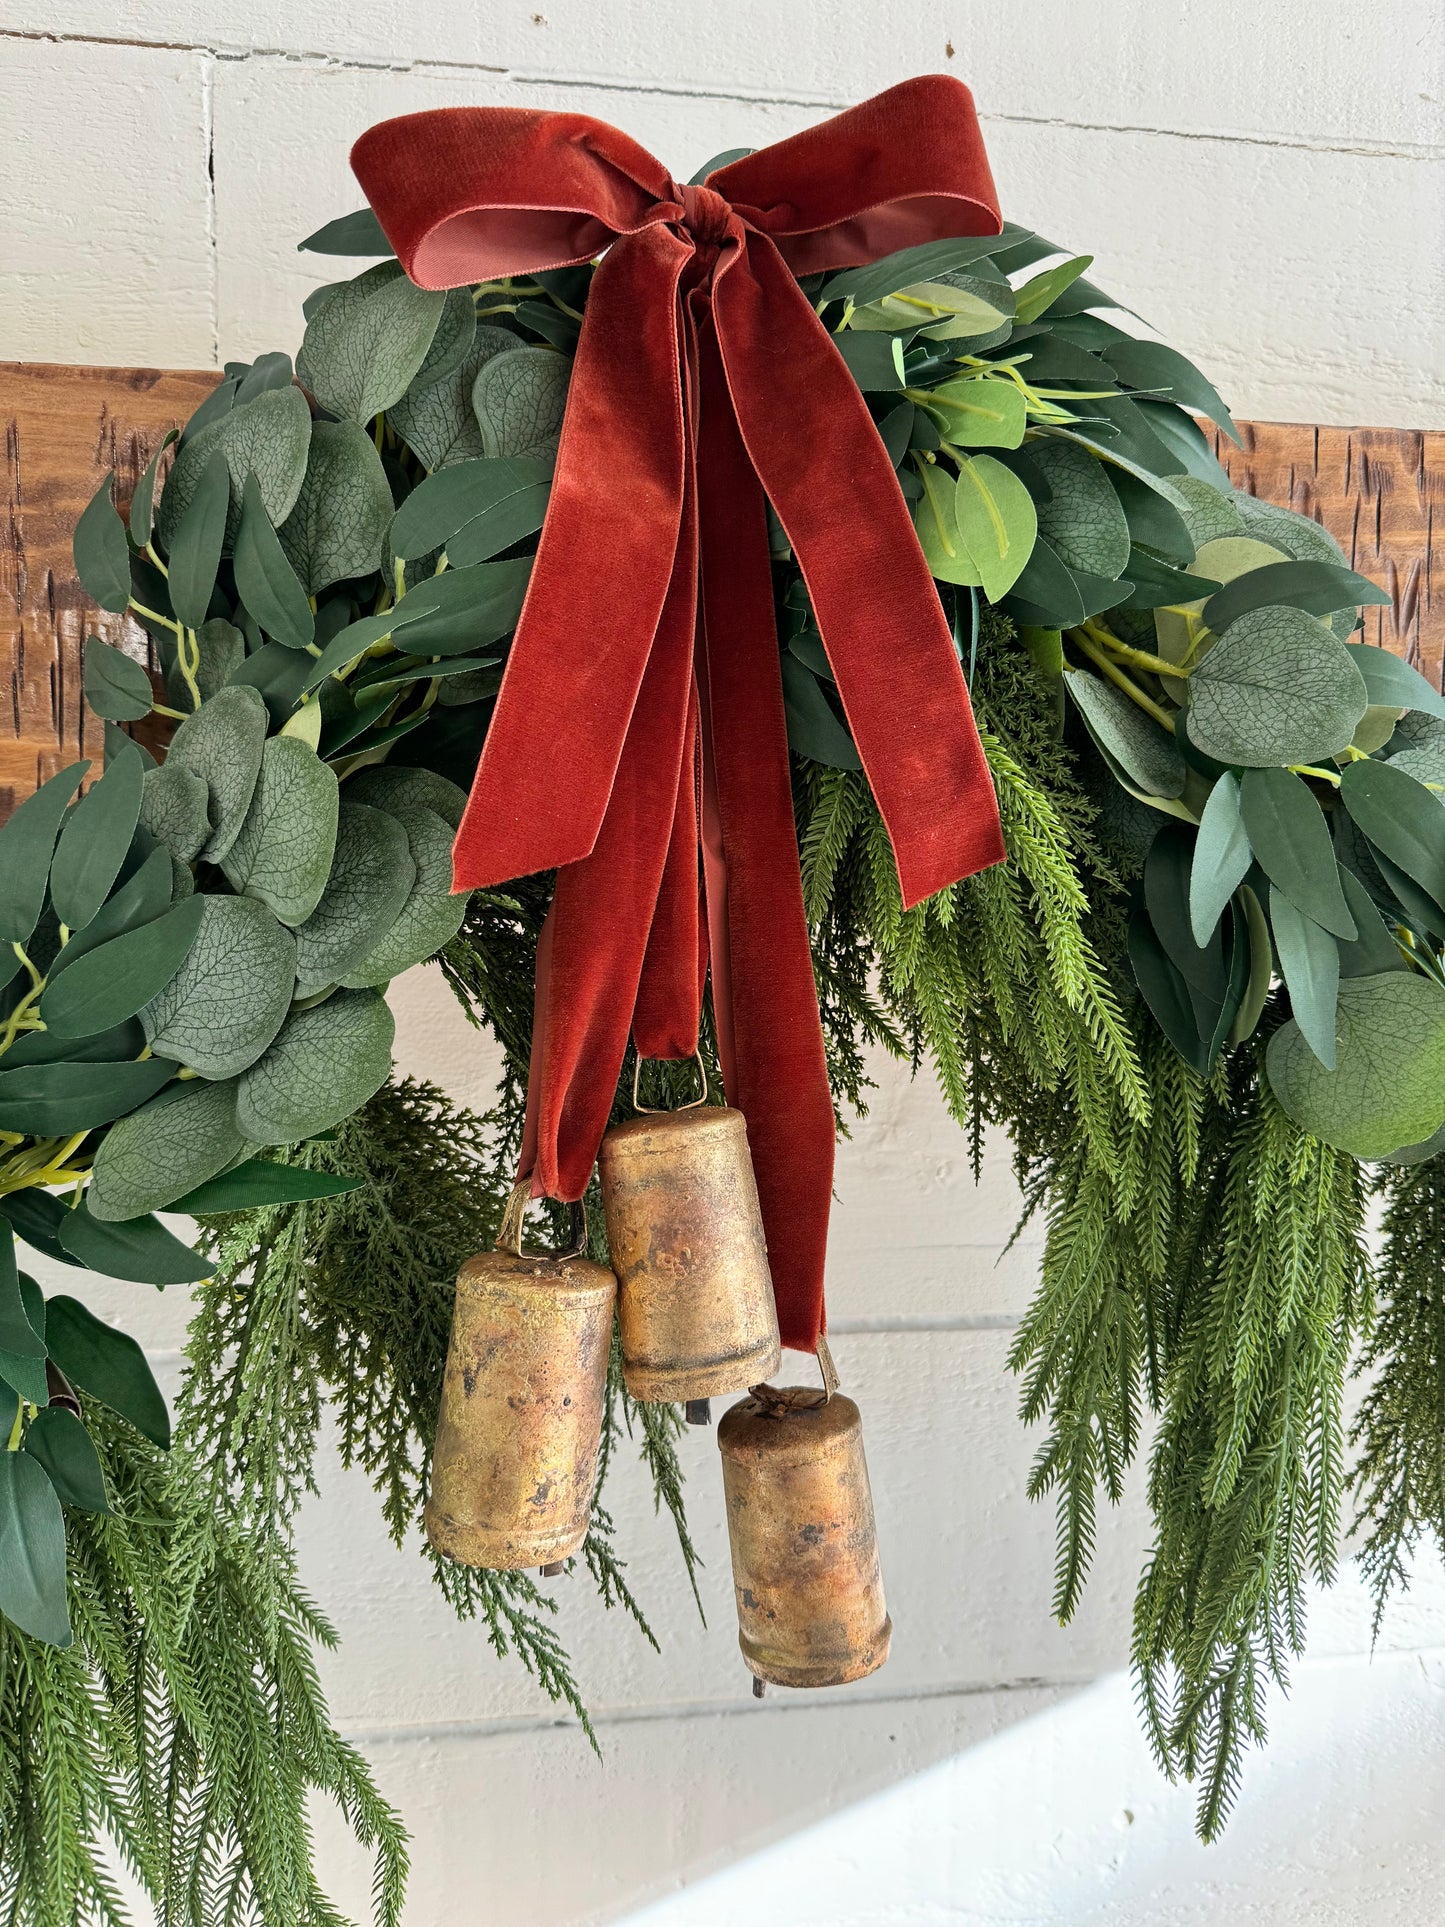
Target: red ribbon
641, 713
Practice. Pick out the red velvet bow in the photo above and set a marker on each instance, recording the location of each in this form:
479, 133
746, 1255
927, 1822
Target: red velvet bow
642, 712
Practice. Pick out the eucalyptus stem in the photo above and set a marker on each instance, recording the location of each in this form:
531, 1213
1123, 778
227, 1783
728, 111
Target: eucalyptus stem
1116, 676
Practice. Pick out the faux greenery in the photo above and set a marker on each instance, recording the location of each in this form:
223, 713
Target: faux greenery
1205, 997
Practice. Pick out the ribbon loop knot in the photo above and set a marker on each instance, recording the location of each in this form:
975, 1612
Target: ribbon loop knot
641, 720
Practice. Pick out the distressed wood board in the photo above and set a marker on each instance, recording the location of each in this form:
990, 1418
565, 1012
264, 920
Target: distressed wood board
1377, 490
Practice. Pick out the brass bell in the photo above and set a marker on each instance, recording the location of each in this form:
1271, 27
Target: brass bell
520, 1425
694, 1294
804, 1549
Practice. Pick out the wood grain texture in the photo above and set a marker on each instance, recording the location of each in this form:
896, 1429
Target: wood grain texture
1377, 490
64, 428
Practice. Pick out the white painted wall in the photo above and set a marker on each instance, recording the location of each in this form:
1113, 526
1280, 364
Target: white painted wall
1265, 183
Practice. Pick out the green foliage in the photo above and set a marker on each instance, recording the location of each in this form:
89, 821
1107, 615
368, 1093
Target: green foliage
185, 1721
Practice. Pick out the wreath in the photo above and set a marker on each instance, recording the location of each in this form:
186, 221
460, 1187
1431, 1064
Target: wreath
1205, 997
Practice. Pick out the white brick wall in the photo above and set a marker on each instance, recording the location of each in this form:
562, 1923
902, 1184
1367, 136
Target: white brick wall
1266, 185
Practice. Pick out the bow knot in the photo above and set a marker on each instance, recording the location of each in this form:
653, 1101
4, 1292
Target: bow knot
641, 716
707, 217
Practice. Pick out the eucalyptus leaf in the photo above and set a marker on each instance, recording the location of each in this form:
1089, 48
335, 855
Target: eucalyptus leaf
1145, 752
1083, 518
17, 1333
520, 397
1277, 687
60, 1443
1154, 524
372, 874
907, 267
362, 349
1286, 529
436, 418
1222, 857
94, 838
142, 503
265, 579
1387, 1089
1164, 989
1150, 364
56, 1099
109, 1365
339, 525
267, 437
1374, 948
27, 843
153, 1157
260, 1181
814, 730
230, 997
325, 1064
1309, 959
32, 1551
102, 554
874, 361
359, 233
221, 744
195, 551
396, 788
1318, 587
222, 650
430, 914
936, 523
110, 983
173, 809
474, 509
140, 1249
121, 1044
1390, 680
1212, 513
116, 686
995, 517
1402, 820
1043, 290
283, 851
979, 413
143, 896
1289, 836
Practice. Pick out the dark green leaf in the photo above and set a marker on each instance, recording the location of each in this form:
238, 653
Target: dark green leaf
62, 1445
109, 1365
1164, 989
265, 579
1403, 821
108, 984
26, 844
115, 686
259, 1181
1374, 948
32, 1551
52, 1100
94, 839
1153, 523
36, 1217
265, 373
1309, 958
141, 1250
1148, 756
102, 554
142, 503
507, 497
1391, 681
122, 1044
814, 730
1157, 585
1317, 587
1149, 364
17, 1334
327, 1062
1184, 440
195, 552
1387, 1089
874, 361
1222, 858
1278, 687
906, 268
359, 233
1288, 834
140, 899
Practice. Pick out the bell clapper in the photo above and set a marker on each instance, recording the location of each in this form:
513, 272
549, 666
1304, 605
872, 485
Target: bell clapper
760, 1690
698, 1411
551, 1571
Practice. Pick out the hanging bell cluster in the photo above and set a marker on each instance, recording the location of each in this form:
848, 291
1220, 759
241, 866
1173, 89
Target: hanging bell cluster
519, 1431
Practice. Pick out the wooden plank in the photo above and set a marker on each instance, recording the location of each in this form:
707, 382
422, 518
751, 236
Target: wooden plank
1377, 490
64, 427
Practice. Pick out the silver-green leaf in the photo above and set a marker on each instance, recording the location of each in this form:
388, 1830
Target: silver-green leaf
229, 998
371, 877
283, 851
1387, 1089
158, 1154
339, 525
221, 744
520, 398
325, 1064
267, 437
363, 347
1277, 688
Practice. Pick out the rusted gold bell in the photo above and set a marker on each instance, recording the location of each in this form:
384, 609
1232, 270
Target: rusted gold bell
521, 1412
804, 1549
694, 1294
